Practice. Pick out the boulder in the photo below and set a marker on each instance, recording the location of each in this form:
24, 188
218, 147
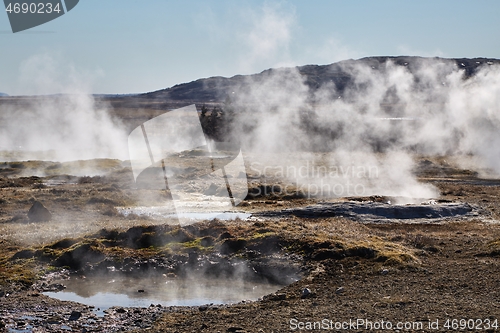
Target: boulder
38, 213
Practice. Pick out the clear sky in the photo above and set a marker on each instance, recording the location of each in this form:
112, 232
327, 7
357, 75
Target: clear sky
130, 46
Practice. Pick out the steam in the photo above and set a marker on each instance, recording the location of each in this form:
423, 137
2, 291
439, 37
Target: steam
70, 126
269, 35
379, 122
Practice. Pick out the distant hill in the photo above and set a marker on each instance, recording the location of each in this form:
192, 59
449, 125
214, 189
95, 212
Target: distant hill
215, 89
3, 94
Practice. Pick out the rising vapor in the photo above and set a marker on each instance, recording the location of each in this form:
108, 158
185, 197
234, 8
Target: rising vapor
386, 115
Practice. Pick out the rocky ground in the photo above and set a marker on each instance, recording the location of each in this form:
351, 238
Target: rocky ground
355, 260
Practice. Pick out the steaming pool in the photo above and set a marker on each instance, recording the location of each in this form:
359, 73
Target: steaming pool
103, 293
161, 212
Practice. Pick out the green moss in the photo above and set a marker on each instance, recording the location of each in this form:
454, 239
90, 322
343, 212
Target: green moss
262, 235
198, 244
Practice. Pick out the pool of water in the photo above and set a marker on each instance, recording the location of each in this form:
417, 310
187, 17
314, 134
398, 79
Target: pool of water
166, 212
103, 293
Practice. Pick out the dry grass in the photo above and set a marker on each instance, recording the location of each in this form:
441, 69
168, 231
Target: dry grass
494, 247
347, 237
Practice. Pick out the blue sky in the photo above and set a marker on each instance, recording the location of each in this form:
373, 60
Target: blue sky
129, 46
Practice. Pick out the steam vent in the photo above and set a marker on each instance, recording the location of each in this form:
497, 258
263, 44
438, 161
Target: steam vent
296, 199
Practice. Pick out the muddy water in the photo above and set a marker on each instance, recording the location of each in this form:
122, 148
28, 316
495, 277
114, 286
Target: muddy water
104, 292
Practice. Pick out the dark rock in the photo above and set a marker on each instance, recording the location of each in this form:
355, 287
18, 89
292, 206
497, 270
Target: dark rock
306, 292
38, 213
75, 315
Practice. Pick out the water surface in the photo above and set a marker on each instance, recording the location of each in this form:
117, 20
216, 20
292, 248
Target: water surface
122, 291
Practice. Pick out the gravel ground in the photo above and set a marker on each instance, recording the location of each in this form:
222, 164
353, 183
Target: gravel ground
360, 260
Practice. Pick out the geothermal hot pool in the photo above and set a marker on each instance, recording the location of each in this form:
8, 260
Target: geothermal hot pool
161, 212
105, 292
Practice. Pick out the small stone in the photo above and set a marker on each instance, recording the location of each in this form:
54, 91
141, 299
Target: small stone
38, 213
75, 315
339, 290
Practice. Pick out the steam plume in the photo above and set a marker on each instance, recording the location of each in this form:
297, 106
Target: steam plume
61, 127
387, 114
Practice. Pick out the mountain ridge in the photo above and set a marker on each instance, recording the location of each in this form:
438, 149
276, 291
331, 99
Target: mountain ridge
215, 89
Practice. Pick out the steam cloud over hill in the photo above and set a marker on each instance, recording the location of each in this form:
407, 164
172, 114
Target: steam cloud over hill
370, 114
357, 110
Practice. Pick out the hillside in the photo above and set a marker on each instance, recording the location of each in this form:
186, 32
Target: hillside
215, 89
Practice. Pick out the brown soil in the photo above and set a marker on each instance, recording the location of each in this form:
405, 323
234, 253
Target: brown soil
398, 272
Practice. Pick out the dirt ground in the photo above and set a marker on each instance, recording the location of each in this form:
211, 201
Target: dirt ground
354, 275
